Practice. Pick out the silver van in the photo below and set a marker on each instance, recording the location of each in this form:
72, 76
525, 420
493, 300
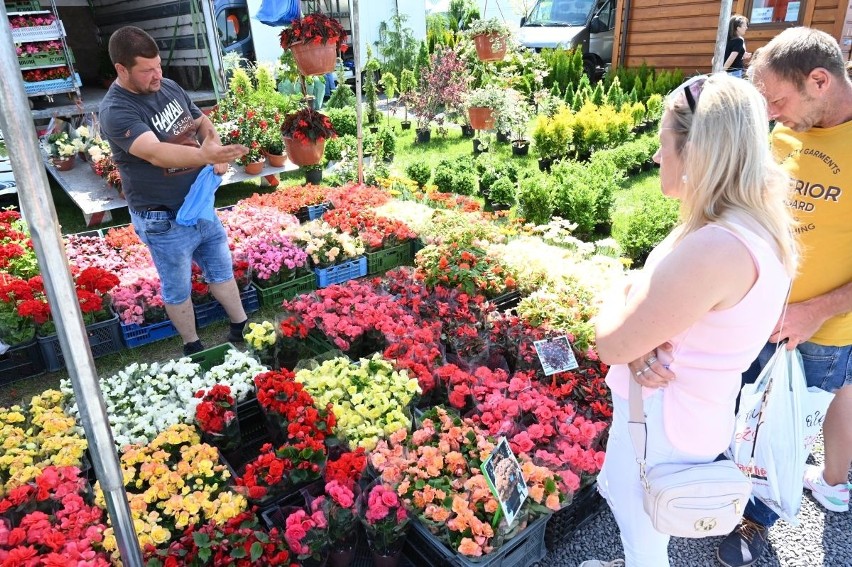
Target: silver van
571, 23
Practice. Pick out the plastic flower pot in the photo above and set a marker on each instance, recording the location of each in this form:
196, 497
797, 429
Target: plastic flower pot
313, 176
423, 136
520, 148
485, 46
307, 153
481, 117
314, 58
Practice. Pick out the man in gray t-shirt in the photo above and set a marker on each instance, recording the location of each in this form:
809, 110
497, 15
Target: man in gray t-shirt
160, 142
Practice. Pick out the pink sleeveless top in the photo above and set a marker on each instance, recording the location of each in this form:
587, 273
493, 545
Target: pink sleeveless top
710, 356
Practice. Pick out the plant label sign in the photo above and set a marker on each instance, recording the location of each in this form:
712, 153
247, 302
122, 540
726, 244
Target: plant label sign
505, 479
555, 355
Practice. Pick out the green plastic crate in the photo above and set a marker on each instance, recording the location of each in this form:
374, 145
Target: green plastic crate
390, 258
209, 358
273, 296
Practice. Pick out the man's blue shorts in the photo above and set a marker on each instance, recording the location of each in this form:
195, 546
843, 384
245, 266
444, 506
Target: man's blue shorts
174, 247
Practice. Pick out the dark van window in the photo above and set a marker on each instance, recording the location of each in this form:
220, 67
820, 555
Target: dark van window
233, 25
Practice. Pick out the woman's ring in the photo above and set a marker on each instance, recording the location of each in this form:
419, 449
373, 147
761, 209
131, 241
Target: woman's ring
640, 372
651, 360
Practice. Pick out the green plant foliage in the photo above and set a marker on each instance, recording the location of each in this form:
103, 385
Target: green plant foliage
344, 120
535, 198
503, 192
598, 95
455, 176
341, 97
643, 218
396, 45
335, 148
583, 194
491, 167
422, 61
419, 172
386, 139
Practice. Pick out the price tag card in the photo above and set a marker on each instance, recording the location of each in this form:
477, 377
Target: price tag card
555, 355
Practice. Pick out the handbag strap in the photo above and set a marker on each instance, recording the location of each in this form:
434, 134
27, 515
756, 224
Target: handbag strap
638, 429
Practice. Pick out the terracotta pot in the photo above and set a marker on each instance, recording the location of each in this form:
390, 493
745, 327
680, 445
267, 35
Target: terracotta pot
308, 153
481, 117
315, 58
485, 48
275, 160
254, 168
63, 163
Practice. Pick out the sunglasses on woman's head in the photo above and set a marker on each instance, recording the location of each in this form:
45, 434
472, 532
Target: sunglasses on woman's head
692, 90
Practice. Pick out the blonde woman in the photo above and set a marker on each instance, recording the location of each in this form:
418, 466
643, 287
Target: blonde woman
697, 314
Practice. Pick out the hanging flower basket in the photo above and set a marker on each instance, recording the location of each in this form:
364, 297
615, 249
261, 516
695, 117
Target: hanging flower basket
315, 58
304, 153
481, 117
490, 46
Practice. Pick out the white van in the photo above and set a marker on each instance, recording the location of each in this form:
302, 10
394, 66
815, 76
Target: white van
571, 23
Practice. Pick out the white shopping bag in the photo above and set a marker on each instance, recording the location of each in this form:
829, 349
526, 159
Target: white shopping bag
769, 440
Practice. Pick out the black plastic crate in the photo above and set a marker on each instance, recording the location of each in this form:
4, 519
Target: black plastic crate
21, 361
104, 338
527, 548
506, 301
587, 504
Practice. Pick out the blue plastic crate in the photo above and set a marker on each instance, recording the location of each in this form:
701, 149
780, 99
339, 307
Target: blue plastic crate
53, 86
354, 268
312, 212
138, 335
213, 311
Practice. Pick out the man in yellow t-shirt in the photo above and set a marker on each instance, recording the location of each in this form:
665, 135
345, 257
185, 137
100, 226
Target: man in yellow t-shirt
802, 75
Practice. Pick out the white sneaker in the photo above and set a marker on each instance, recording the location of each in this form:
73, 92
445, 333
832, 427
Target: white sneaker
598, 563
834, 498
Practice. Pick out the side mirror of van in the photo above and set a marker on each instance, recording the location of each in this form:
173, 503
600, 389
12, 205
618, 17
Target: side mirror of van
523, 20
597, 25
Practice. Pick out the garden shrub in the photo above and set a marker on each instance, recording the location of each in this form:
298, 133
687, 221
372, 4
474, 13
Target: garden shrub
535, 198
491, 167
643, 218
336, 147
344, 120
455, 176
420, 172
503, 192
387, 139
583, 193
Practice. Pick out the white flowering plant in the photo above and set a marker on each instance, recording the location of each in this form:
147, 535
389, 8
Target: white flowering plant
143, 399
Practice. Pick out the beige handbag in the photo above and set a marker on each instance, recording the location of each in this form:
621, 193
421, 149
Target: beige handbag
687, 500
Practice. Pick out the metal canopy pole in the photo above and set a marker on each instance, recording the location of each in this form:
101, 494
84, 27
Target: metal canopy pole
722, 35
356, 53
37, 206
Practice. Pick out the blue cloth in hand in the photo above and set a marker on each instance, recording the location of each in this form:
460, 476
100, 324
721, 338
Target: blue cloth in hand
198, 203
